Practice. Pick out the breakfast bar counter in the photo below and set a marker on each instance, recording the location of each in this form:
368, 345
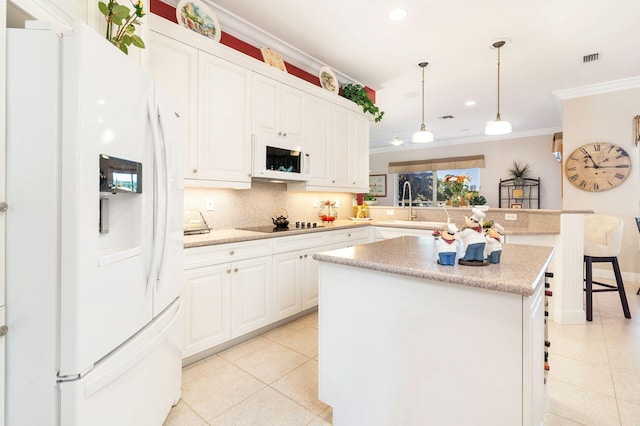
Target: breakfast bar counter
404, 340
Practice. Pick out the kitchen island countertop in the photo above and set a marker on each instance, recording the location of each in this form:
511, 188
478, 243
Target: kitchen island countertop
517, 272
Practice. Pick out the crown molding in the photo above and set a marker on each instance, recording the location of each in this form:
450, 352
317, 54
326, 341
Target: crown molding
249, 33
599, 88
469, 140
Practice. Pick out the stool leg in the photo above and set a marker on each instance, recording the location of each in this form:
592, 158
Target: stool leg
589, 288
623, 295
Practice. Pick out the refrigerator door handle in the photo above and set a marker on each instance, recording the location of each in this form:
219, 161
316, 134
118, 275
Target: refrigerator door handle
165, 177
152, 276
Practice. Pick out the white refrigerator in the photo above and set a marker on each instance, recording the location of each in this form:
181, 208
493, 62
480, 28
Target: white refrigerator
94, 234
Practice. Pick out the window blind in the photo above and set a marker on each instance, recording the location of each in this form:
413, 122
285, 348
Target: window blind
450, 163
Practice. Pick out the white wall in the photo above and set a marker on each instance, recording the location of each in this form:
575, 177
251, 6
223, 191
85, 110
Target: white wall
607, 118
499, 156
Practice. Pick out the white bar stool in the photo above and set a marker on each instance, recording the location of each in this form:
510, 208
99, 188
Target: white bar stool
602, 243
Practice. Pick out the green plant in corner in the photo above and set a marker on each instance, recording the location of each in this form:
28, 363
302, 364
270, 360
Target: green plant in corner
125, 20
357, 94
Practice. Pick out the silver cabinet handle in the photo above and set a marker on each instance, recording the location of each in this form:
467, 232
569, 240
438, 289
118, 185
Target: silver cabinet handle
279, 133
231, 253
305, 255
300, 257
3, 330
195, 170
284, 134
4, 206
228, 271
235, 269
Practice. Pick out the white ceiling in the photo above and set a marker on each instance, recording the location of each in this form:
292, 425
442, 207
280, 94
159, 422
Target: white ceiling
547, 40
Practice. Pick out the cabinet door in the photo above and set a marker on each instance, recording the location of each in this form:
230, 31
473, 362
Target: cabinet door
339, 155
287, 279
175, 66
207, 307
292, 111
309, 280
251, 295
225, 129
277, 108
317, 139
359, 149
265, 116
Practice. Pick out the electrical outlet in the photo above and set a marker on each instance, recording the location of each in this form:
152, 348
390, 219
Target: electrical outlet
391, 212
337, 203
316, 203
209, 204
510, 216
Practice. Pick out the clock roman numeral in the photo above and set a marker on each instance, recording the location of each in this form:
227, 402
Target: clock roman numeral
583, 184
619, 176
572, 168
584, 151
596, 147
573, 178
595, 186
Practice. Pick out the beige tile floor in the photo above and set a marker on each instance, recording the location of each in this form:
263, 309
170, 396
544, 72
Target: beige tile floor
272, 379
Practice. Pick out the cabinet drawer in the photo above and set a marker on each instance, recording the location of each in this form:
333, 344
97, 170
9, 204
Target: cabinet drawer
210, 255
348, 236
298, 242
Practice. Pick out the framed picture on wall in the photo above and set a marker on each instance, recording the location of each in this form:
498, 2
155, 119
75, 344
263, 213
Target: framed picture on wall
378, 185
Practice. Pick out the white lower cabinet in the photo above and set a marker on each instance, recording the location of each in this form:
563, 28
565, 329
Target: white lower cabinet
251, 300
233, 289
207, 302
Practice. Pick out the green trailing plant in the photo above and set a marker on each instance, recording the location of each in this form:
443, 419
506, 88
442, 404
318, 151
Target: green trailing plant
357, 94
369, 197
121, 22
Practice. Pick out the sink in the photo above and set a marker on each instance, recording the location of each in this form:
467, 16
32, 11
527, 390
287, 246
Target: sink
416, 223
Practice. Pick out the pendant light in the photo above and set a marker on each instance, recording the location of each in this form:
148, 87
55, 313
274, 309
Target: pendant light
499, 126
423, 136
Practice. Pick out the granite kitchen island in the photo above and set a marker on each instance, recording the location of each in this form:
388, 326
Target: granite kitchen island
403, 340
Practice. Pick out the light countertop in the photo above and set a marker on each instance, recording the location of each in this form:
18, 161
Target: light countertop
518, 271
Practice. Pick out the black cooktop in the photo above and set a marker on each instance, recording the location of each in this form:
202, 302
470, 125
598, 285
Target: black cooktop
268, 229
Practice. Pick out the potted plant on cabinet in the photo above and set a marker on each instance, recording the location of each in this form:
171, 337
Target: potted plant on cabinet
357, 94
519, 172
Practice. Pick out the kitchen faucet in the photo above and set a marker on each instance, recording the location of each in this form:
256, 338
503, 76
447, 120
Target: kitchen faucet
446, 212
404, 187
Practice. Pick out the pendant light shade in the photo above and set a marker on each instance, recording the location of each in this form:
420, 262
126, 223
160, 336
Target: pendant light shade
499, 126
422, 136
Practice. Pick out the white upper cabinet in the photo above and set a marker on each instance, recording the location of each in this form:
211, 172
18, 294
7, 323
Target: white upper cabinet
359, 160
338, 140
175, 65
224, 148
278, 109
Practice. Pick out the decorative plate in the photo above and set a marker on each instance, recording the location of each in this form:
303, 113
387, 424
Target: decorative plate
328, 80
197, 16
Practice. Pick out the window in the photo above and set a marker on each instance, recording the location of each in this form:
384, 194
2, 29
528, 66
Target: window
424, 186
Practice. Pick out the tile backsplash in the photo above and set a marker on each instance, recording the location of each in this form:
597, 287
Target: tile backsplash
256, 206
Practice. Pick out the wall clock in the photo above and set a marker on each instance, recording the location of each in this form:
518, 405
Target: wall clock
598, 166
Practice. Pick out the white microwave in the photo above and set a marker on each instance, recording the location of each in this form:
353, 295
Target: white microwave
275, 158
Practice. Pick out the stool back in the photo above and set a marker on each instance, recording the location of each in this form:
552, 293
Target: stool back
602, 235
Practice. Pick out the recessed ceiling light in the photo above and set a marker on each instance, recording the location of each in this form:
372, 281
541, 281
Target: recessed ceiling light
396, 141
397, 14
470, 103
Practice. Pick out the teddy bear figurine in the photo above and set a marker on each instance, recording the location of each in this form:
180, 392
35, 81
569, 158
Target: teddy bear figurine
473, 239
447, 246
493, 247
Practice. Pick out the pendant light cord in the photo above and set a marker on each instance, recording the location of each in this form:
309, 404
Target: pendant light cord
423, 65
498, 115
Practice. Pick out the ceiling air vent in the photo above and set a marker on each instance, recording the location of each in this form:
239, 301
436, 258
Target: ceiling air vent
590, 58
